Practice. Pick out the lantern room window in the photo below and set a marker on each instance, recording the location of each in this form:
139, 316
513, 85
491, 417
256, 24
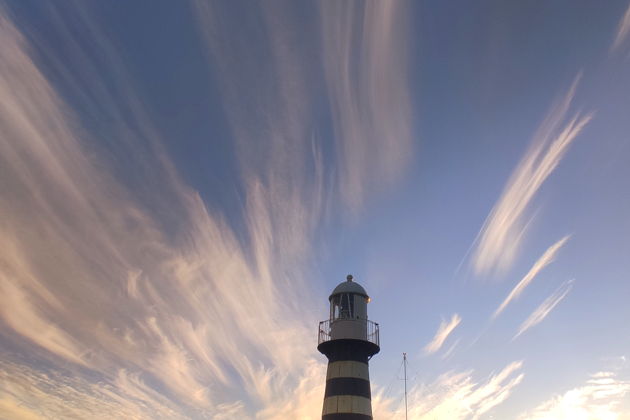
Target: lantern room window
342, 306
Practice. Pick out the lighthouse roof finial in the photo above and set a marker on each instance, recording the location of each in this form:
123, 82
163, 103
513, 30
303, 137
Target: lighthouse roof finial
349, 286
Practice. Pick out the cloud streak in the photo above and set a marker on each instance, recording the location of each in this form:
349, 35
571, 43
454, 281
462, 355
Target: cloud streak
149, 290
545, 308
623, 31
498, 241
454, 396
600, 397
445, 329
546, 259
32, 394
90, 277
365, 54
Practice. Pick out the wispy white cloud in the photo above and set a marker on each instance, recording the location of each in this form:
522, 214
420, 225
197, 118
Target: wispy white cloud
545, 308
499, 240
623, 31
20, 313
453, 396
445, 329
543, 261
600, 398
196, 318
29, 393
364, 47
90, 277
365, 53
451, 350
304, 401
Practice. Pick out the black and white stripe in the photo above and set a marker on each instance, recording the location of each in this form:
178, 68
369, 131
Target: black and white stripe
347, 395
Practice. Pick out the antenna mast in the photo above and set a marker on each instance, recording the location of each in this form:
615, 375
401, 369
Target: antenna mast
405, 365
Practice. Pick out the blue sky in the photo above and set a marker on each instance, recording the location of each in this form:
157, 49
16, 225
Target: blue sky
183, 184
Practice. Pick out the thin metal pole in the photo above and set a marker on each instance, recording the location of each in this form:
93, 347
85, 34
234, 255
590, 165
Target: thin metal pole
405, 364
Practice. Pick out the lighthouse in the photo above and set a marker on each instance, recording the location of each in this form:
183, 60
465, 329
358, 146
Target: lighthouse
349, 340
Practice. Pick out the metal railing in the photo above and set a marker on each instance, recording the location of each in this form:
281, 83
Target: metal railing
371, 332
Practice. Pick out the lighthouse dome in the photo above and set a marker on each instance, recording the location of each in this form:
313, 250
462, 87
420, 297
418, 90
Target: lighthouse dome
349, 286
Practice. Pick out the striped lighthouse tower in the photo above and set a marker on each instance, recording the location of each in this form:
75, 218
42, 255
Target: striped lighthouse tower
348, 339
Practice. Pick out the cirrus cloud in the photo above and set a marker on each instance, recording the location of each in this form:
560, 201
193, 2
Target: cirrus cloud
600, 398
545, 308
445, 329
498, 242
546, 259
147, 298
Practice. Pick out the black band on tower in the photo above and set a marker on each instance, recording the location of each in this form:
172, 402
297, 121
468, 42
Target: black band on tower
346, 416
348, 386
348, 349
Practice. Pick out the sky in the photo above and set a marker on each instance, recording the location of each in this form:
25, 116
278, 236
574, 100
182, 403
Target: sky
182, 184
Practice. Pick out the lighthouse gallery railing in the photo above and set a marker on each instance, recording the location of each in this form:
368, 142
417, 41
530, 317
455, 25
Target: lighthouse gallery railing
372, 333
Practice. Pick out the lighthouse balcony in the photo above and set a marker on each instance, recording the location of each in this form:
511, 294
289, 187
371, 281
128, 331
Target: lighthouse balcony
344, 328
